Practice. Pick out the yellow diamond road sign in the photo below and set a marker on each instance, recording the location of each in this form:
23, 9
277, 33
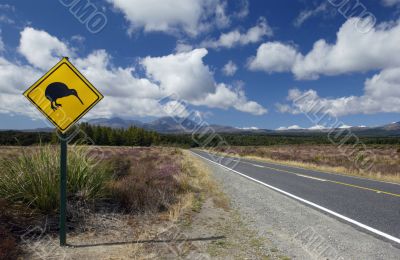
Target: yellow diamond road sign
63, 95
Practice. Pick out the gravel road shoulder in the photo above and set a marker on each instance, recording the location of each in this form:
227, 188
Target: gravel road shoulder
298, 231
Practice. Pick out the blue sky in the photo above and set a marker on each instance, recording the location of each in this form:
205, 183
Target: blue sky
148, 49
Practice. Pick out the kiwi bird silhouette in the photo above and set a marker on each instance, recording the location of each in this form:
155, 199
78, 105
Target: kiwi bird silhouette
58, 90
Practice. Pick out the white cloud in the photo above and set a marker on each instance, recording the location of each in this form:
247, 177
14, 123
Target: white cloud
5, 19
352, 52
186, 75
7, 7
293, 127
78, 38
244, 9
381, 95
248, 128
230, 68
252, 107
2, 47
172, 16
115, 81
225, 97
222, 19
15, 79
307, 14
125, 92
41, 49
183, 47
182, 73
317, 127
234, 38
390, 2
179, 109
273, 57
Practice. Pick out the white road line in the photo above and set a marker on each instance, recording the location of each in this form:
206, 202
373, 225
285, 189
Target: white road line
309, 177
361, 225
257, 165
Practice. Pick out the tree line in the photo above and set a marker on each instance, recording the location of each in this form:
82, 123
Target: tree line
134, 136
98, 135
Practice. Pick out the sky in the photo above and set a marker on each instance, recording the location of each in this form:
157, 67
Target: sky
243, 63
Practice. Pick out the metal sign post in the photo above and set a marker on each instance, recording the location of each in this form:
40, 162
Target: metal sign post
64, 96
63, 189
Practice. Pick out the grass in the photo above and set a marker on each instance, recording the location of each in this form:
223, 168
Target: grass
32, 177
328, 158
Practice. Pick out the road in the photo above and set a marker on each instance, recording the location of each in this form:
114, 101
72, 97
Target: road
370, 205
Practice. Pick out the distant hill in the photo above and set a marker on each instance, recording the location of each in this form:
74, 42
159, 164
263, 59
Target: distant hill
170, 125
162, 125
176, 125
36, 130
115, 122
392, 129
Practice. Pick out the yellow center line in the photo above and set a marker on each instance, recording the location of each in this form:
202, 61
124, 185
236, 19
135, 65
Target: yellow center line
337, 182
365, 188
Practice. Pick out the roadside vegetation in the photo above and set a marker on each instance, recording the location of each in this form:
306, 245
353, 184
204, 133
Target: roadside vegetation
117, 195
157, 182
328, 158
32, 178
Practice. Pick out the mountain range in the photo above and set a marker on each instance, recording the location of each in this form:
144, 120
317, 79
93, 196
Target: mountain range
171, 125
166, 125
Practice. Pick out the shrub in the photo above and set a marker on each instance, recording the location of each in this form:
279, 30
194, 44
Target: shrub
120, 167
33, 177
151, 183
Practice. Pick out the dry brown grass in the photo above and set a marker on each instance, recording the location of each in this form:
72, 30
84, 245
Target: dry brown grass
203, 181
12, 151
199, 185
328, 158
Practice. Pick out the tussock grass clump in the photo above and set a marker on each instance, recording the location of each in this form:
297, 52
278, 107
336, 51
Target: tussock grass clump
32, 178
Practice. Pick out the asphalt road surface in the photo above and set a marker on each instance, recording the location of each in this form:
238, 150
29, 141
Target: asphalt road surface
372, 206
